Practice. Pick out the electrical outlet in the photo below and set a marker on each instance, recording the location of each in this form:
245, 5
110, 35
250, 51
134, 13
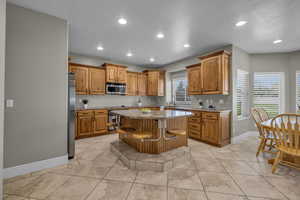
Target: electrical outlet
9, 103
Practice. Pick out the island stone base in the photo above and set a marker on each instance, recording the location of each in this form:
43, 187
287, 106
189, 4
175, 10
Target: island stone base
153, 162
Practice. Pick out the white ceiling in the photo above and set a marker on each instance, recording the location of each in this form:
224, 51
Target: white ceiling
204, 24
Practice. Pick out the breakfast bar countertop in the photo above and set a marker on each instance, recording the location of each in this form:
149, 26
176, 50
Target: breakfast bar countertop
154, 114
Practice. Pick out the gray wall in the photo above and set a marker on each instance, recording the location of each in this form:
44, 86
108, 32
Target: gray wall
36, 78
275, 62
240, 60
2, 63
294, 65
108, 100
288, 63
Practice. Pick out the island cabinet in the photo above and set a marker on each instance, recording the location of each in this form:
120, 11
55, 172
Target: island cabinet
115, 73
155, 82
210, 127
88, 79
211, 76
91, 123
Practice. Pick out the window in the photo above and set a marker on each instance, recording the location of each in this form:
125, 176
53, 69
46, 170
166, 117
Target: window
267, 92
298, 91
179, 91
242, 91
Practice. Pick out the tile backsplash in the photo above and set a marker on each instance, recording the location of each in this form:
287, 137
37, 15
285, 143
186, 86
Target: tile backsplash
114, 100
219, 101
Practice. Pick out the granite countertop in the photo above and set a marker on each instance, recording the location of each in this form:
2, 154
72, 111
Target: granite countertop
113, 107
154, 114
194, 108
185, 108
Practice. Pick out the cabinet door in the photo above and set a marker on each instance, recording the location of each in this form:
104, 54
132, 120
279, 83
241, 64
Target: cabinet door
161, 84
84, 125
97, 81
111, 73
211, 75
142, 84
122, 75
210, 131
100, 123
152, 83
194, 80
81, 79
131, 84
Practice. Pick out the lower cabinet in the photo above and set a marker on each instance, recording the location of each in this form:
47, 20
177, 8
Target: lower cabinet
210, 127
91, 123
210, 131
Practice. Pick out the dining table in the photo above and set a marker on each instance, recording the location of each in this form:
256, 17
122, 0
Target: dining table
268, 128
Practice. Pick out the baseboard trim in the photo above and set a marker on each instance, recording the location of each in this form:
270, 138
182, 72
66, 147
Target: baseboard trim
34, 166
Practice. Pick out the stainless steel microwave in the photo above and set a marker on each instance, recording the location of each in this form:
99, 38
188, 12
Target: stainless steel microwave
116, 88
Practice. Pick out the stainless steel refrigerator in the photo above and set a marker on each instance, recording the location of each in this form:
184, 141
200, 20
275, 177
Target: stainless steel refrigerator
71, 115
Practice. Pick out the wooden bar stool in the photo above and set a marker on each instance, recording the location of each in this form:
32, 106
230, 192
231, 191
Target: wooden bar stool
141, 135
126, 130
176, 132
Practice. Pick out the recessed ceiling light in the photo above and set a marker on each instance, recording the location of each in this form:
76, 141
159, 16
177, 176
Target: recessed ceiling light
129, 54
241, 23
152, 59
122, 21
100, 48
277, 41
160, 35
186, 45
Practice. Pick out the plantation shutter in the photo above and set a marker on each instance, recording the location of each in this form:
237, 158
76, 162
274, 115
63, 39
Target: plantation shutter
179, 87
267, 91
242, 91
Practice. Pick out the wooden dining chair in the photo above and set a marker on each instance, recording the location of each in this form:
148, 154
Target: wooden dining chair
286, 128
266, 139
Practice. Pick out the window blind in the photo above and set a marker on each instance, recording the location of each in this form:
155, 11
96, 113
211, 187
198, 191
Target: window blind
267, 92
242, 92
298, 91
179, 87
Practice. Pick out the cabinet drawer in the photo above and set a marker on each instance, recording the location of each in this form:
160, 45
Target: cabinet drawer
99, 112
194, 133
194, 126
85, 113
197, 114
194, 119
210, 115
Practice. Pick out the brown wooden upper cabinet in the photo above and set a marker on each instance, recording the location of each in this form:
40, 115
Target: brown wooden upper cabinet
115, 73
136, 84
194, 79
155, 82
142, 84
88, 79
132, 84
211, 76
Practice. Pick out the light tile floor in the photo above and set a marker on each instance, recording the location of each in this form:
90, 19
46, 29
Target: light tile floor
229, 173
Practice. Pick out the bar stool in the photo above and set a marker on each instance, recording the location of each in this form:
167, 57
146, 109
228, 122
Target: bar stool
176, 132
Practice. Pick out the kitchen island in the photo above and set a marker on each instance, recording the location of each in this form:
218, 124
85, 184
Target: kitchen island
153, 132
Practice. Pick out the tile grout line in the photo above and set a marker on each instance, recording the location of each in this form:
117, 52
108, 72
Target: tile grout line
275, 187
133, 183
100, 181
234, 180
